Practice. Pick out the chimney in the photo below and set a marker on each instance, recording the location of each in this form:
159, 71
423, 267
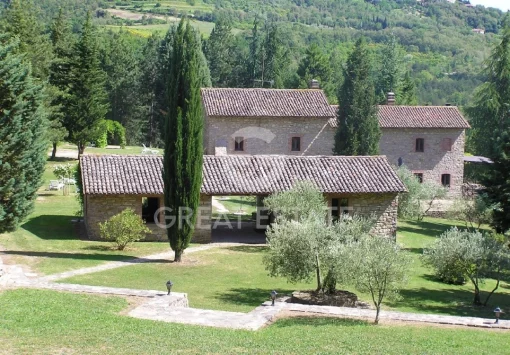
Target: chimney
314, 84
448, 104
390, 99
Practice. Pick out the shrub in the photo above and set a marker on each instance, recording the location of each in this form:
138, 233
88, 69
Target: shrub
474, 255
123, 228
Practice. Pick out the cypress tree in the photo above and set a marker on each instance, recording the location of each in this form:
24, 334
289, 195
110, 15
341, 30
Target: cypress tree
22, 136
86, 105
59, 79
358, 129
390, 71
407, 93
20, 20
498, 183
182, 164
219, 50
490, 114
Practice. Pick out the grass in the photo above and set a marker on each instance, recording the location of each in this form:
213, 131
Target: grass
233, 204
107, 150
235, 279
231, 279
47, 241
47, 322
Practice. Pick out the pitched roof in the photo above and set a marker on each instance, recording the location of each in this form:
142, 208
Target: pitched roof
421, 117
266, 103
242, 174
416, 117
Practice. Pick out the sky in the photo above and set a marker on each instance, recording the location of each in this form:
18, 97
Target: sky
500, 4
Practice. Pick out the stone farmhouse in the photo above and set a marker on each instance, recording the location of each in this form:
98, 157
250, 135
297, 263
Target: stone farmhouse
267, 121
429, 140
261, 141
364, 185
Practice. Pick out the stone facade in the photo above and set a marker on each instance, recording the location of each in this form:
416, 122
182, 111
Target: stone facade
268, 135
435, 160
99, 208
383, 206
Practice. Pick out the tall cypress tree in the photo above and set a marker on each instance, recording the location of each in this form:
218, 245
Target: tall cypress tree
86, 105
20, 20
498, 182
59, 79
358, 129
490, 115
390, 71
218, 50
182, 164
22, 136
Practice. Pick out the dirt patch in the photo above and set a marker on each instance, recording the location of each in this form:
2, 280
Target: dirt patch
338, 299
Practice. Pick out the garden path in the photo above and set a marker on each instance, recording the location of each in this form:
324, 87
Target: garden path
116, 264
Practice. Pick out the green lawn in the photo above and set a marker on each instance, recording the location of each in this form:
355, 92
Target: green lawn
107, 150
234, 204
235, 279
46, 322
48, 243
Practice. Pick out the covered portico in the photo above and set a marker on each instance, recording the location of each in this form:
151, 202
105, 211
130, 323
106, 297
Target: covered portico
364, 185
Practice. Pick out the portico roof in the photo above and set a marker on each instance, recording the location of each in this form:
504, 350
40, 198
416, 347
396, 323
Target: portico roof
242, 174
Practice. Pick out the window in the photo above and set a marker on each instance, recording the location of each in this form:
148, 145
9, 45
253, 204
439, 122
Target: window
447, 144
149, 207
239, 144
445, 180
339, 205
419, 176
296, 144
420, 145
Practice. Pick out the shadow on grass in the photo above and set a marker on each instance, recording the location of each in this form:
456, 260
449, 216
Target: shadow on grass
83, 256
426, 228
319, 321
61, 159
249, 296
452, 301
48, 227
248, 249
418, 251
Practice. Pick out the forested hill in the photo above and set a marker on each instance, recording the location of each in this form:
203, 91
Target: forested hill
441, 49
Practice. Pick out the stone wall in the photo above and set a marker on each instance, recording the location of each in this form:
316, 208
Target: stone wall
383, 206
269, 135
99, 208
435, 160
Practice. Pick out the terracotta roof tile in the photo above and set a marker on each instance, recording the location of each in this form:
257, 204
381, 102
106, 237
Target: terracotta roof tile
416, 117
266, 103
242, 174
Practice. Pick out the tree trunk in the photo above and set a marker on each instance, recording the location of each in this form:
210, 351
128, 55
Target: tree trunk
490, 294
477, 301
319, 278
178, 256
378, 310
54, 151
81, 149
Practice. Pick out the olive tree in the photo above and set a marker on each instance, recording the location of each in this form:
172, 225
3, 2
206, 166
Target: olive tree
299, 239
375, 265
475, 255
302, 241
473, 212
419, 198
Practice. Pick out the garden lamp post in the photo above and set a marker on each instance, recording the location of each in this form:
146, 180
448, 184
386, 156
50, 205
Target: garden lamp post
169, 285
497, 313
273, 297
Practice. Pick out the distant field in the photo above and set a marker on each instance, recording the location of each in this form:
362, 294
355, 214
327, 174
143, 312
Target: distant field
146, 30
